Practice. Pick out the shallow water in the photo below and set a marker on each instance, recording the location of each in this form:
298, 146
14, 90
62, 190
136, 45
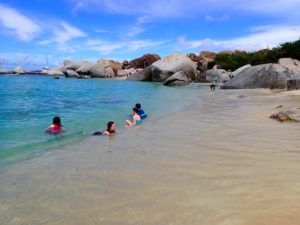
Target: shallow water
28, 104
221, 161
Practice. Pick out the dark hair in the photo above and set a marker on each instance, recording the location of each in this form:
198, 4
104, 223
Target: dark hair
135, 110
138, 105
56, 120
109, 124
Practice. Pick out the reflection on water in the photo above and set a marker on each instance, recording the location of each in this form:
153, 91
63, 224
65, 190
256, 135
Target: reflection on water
220, 161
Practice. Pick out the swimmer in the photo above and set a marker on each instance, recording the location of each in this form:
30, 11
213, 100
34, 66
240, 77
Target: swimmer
141, 112
212, 87
56, 127
111, 129
136, 119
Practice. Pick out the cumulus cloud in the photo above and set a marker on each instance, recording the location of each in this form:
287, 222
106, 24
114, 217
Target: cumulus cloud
17, 24
260, 38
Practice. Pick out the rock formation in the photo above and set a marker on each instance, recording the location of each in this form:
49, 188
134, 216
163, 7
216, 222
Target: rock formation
272, 76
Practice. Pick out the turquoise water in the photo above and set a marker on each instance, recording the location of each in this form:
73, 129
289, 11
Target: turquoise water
28, 104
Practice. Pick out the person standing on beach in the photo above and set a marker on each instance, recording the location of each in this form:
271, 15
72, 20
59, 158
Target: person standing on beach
136, 119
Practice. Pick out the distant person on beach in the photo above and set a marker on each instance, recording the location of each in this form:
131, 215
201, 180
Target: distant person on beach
136, 119
111, 129
141, 112
216, 79
56, 126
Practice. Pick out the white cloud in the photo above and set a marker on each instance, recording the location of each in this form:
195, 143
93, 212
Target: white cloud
138, 27
186, 8
210, 18
61, 34
261, 37
65, 32
18, 24
101, 31
109, 47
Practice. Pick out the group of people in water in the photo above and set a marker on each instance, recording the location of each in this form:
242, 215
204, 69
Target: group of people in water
137, 116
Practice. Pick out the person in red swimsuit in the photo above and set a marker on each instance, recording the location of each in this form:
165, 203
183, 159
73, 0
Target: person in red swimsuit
56, 127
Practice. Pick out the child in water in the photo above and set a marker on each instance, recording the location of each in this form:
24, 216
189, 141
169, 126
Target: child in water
136, 119
56, 127
141, 112
111, 129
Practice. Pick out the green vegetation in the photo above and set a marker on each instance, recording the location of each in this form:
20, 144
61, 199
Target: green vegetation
233, 60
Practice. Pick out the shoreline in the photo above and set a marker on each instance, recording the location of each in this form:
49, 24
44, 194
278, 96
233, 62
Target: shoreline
219, 161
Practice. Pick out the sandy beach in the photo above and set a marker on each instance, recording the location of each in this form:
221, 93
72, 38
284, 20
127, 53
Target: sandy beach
220, 161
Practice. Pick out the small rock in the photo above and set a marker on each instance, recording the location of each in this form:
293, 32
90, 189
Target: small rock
280, 106
282, 117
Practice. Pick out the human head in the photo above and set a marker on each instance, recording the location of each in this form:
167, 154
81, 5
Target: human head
111, 127
138, 105
56, 120
135, 110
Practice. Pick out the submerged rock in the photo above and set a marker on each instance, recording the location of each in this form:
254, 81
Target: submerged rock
272, 76
282, 117
177, 79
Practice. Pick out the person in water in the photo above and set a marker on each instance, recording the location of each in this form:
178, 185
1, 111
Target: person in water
56, 127
141, 112
136, 119
111, 129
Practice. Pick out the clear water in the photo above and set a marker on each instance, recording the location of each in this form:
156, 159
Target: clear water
216, 158
28, 104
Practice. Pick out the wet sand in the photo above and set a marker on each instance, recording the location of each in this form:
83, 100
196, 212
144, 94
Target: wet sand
220, 161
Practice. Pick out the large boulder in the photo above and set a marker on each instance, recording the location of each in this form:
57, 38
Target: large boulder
56, 71
143, 75
72, 65
109, 72
166, 67
19, 70
177, 79
115, 65
97, 70
144, 61
237, 71
292, 64
221, 74
126, 72
270, 75
71, 73
84, 69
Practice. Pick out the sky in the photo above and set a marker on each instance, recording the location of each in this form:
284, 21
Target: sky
121, 30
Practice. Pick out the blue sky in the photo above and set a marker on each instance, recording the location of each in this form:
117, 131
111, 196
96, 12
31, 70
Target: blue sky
126, 29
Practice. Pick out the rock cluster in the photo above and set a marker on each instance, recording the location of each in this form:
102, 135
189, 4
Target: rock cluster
163, 69
273, 76
282, 117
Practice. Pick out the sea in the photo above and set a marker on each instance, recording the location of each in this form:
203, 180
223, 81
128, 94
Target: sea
201, 157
